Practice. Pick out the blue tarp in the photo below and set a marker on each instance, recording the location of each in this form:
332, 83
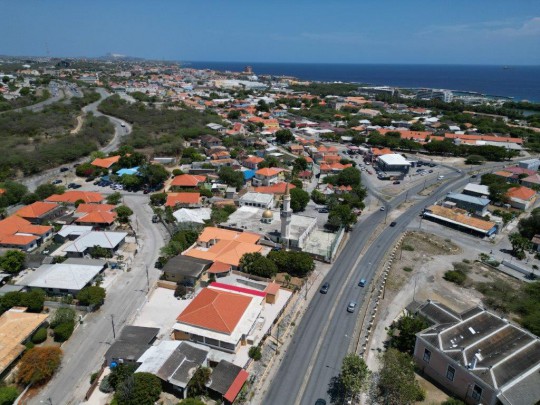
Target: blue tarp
248, 174
133, 170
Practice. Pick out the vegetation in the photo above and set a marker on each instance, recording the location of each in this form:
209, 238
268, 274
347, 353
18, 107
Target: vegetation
63, 331
520, 244
92, 296
258, 265
179, 242
12, 261
197, 385
138, 389
123, 212
33, 300
326, 89
114, 198
98, 252
299, 199
38, 365
191, 401
403, 332
8, 395
397, 384
14, 193
255, 353
497, 187
354, 374
40, 336
284, 136
231, 177
296, 264
530, 226
221, 214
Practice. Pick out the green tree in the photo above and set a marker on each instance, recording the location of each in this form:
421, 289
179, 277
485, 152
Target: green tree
255, 353
158, 198
139, 389
299, 199
348, 177
98, 252
63, 315
86, 170
284, 136
354, 374
123, 212
475, 160
63, 331
38, 365
92, 295
231, 177
131, 181
258, 265
407, 327
13, 261
530, 226
120, 373
233, 114
39, 336
8, 395
300, 164
318, 197
33, 300
296, 264
197, 384
519, 244
114, 198
43, 191
153, 175
397, 382
341, 215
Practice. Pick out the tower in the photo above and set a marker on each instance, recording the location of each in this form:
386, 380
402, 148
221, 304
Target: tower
286, 214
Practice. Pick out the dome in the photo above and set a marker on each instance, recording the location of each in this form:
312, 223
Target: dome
267, 214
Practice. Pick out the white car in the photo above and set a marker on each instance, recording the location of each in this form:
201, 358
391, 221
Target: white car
382, 208
440, 177
122, 124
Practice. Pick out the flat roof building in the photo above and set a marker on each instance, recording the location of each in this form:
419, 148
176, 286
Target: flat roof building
458, 218
476, 205
259, 200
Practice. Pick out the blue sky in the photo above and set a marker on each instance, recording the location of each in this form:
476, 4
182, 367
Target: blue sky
387, 31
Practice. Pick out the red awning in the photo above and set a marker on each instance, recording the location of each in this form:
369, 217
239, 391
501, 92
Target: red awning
236, 386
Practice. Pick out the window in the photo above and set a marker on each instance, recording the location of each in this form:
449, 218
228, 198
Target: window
476, 393
450, 372
427, 355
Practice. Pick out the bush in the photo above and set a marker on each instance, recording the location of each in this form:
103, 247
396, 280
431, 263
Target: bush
63, 331
180, 290
407, 269
255, 353
39, 337
92, 295
93, 377
407, 247
38, 365
63, 315
140, 389
455, 276
105, 385
8, 395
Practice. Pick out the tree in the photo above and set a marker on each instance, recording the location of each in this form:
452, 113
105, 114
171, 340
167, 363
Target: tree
530, 226
397, 383
354, 374
475, 160
284, 136
8, 395
297, 264
255, 353
43, 191
92, 295
407, 326
158, 198
231, 177
233, 115
300, 164
97, 252
13, 261
39, 337
180, 291
33, 300
123, 212
63, 331
341, 215
120, 373
197, 384
519, 244
299, 199
153, 175
131, 181
417, 126
318, 197
348, 177
38, 365
63, 315
114, 198
139, 389
86, 170
257, 264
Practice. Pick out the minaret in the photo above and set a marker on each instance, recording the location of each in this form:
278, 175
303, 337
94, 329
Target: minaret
286, 214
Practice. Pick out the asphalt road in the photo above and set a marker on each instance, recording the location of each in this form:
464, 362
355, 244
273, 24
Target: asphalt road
324, 334
84, 351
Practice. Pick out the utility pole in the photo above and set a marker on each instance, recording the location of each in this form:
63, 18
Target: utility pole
147, 280
113, 331
385, 216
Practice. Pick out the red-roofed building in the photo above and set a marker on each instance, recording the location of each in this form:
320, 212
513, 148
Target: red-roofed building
72, 196
105, 163
184, 200
521, 197
333, 168
39, 212
98, 219
267, 176
252, 162
227, 381
187, 181
276, 189
18, 233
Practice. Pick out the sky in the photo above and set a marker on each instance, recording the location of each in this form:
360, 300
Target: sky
299, 31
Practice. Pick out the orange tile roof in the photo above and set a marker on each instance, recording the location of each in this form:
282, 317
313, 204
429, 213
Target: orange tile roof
215, 310
272, 288
87, 208
182, 198
521, 193
278, 188
188, 180
212, 233
490, 138
502, 173
219, 267
106, 162
14, 224
98, 217
253, 159
380, 152
72, 196
17, 240
2, 191
269, 171
36, 210
461, 217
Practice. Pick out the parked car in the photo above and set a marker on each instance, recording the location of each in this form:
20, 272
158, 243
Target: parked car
323, 210
64, 169
431, 171
397, 182
89, 179
382, 208
393, 223
324, 288
351, 307
57, 181
474, 176
362, 283
155, 218
71, 185
440, 177
320, 401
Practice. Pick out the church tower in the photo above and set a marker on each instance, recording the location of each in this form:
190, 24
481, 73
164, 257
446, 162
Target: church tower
286, 214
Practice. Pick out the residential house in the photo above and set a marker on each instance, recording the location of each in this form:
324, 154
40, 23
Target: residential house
333, 168
267, 176
521, 197
185, 270
111, 241
187, 181
220, 155
305, 175
185, 200
296, 149
210, 141
132, 343
72, 196
71, 232
475, 205
478, 356
276, 189
260, 200
192, 216
252, 162
18, 233
40, 212
531, 164
227, 380
106, 163
531, 181
476, 190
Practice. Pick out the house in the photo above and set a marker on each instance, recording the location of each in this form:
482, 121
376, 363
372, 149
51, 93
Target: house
210, 141
276, 189
478, 356
97, 219
72, 196
531, 164
536, 242
476, 205
393, 162
192, 216
305, 175
18, 233
476, 190
237, 129
186, 200
64, 278
174, 362
220, 316
40, 212
252, 162
531, 181
521, 197
81, 246
105, 163
267, 176
507, 176
260, 200
184, 181
459, 219
225, 246
132, 343
296, 149
71, 232
333, 168
227, 380
331, 189
185, 270
16, 328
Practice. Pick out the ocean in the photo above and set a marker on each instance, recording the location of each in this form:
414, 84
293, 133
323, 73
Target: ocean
519, 82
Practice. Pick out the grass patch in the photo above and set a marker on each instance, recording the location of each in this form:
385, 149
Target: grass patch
407, 247
407, 269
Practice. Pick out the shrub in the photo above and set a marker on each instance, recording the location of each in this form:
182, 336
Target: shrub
91, 295
407, 269
467, 261
40, 336
8, 395
63, 331
38, 365
180, 290
407, 247
29, 345
255, 353
93, 377
455, 276
105, 385
63, 315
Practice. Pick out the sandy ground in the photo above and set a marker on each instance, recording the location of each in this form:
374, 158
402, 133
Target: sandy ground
78, 126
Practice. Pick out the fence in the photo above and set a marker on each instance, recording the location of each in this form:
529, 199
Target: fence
95, 383
59, 304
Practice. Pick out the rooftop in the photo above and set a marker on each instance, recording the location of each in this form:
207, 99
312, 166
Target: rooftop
394, 159
188, 180
186, 266
278, 188
468, 198
106, 162
197, 215
224, 379
182, 198
459, 217
73, 195
62, 276
108, 240
36, 210
521, 193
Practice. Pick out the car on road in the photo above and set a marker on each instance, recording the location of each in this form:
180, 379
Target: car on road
123, 124
393, 223
71, 185
320, 401
432, 165
382, 208
57, 181
362, 283
155, 219
474, 176
431, 171
397, 182
440, 177
324, 288
64, 169
324, 210
351, 307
